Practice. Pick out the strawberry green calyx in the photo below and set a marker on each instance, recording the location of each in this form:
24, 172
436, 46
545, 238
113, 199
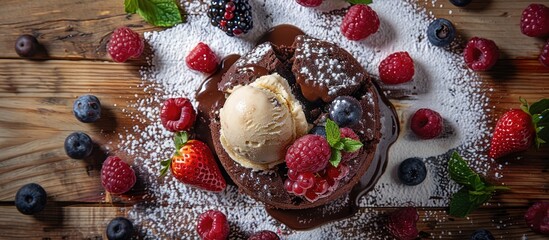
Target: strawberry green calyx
179, 140
539, 111
338, 144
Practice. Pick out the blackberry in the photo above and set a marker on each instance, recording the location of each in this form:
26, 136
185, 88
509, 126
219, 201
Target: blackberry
234, 17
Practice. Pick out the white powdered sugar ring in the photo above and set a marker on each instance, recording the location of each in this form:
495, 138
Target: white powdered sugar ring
442, 83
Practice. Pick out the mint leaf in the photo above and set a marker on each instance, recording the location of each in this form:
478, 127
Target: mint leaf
165, 166
351, 145
460, 171
463, 202
180, 139
332, 133
338, 145
335, 158
162, 13
359, 1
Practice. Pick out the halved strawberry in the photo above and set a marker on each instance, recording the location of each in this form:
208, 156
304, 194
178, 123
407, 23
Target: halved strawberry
517, 129
193, 163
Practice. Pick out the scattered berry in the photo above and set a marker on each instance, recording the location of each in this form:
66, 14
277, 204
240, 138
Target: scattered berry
427, 123
234, 17
537, 217
441, 32
120, 229
321, 186
460, 3
309, 3
348, 133
345, 111
318, 130
125, 44
311, 195
360, 22
337, 173
396, 68
482, 234
264, 235
534, 21
213, 225
514, 132
117, 177
481, 54
177, 114
544, 56
306, 180
402, 223
87, 108
30, 199
78, 145
202, 59
412, 171
26, 45
309, 153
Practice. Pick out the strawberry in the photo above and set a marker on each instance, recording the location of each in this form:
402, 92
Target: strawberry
193, 163
517, 129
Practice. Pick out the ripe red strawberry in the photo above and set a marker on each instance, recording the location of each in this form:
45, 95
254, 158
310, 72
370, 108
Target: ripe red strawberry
117, 177
213, 225
202, 59
193, 163
125, 44
534, 21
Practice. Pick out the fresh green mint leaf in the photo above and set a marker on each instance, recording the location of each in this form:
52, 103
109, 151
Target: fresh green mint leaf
477, 184
130, 6
165, 166
460, 171
180, 139
162, 13
351, 145
335, 158
332, 133
463, 202
338, 146
539, 106
359, 1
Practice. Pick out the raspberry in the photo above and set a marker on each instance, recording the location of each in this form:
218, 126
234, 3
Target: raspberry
309, 153
534, 21
537, 217
177, 114
264, 235
426, 123
396, 68
360, 22
212, 225
202, 59
480, 54
402, 223
125, 44
309, 3
117, 177
544, 56
348, 133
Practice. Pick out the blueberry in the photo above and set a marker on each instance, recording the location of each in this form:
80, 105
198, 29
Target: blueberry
87, 108
412, 171
119, 229
482, 234
345, 111
318, 130
441, 32
78, 145
30, 199
26, 45
460, 3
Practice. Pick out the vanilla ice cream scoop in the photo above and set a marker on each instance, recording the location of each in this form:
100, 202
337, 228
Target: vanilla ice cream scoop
259, 121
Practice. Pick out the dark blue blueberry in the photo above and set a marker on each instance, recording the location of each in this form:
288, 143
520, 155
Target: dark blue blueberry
78, 145
460, 3
345, 111
482, 234
318, 130
441, 32
87, 108
26, 45
119, 229
412, 171
30, 199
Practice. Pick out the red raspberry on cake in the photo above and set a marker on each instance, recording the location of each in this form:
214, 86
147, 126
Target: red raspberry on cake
402, 223
213, 225
177, 114
309, 3
544, 56
125, 44
396, 68
117, 177
348, 133
481, 54
534, 21
309, 153
202, 59
360, 22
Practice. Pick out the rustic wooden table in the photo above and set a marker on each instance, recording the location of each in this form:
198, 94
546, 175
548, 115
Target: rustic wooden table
36, 99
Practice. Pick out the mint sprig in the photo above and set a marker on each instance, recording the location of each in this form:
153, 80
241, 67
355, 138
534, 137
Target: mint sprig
539, 111
475, 190
161, 13
338, 144
359, 1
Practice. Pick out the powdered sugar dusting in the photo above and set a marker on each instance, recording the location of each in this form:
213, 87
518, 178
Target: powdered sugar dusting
441, 83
